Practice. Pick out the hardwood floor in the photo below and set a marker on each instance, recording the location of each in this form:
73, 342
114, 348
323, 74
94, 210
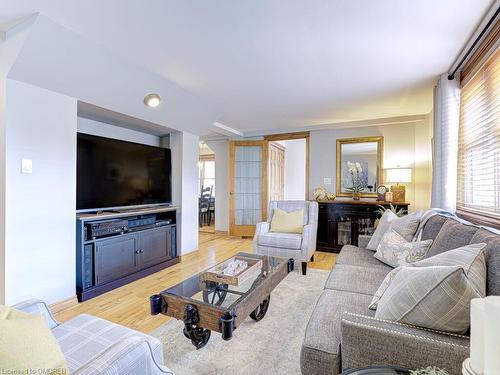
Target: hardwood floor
129, 304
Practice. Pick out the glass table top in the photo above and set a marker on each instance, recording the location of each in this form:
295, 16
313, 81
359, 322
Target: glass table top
224, 295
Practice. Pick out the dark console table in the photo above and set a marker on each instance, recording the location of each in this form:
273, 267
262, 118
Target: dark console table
125, 246
342, 220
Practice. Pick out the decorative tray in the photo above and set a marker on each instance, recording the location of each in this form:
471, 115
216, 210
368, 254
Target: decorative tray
222, 273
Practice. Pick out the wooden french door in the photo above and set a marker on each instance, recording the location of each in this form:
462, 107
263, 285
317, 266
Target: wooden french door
248, 186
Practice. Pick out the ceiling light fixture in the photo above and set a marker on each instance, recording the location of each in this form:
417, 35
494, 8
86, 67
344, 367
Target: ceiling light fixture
152, 100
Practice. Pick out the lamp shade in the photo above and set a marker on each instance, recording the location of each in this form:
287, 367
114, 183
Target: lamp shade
397, 175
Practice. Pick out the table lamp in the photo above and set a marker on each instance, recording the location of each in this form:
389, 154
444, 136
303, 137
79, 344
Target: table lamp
397, 176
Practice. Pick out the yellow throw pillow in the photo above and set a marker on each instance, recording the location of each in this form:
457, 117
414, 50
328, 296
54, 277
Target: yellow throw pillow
27, 344
287, 222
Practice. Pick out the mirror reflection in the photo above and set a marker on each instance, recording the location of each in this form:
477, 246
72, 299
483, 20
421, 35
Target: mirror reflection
358, 166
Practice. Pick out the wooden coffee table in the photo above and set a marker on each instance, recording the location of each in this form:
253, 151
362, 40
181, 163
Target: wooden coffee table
206, 306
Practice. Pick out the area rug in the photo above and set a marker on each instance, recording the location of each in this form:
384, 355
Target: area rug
271, 346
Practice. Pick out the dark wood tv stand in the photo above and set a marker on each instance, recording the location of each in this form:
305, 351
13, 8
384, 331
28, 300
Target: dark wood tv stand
106, 262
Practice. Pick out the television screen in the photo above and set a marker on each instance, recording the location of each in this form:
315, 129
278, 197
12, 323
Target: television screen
112, 173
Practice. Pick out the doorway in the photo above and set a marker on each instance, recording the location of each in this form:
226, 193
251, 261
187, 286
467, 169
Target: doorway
288, 166
206, 189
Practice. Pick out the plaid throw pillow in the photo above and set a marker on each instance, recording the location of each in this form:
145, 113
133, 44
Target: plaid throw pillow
435, 296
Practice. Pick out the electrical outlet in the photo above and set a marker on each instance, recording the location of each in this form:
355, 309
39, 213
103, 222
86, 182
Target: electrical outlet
26, 166
327, 181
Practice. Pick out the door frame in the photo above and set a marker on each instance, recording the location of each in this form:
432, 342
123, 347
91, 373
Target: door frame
247, 230
289, 137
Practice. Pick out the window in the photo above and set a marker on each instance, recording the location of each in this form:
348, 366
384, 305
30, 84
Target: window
479, 144
206, 176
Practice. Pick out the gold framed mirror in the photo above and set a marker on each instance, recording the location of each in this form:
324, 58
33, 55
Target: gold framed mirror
359, 166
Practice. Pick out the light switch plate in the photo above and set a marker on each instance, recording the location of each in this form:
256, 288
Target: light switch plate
26, 166
327, 181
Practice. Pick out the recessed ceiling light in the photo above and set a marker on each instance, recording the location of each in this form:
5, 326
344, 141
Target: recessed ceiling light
152, 100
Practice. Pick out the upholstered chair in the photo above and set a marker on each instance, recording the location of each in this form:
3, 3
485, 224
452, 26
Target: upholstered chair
301, 246
94, 346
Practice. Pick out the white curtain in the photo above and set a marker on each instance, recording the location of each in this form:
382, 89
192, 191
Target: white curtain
445, 143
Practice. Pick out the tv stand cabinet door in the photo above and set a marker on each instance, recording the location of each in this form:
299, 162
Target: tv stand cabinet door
115, 258
154, 247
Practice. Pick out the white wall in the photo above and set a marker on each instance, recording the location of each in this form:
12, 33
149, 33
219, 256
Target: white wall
221, 150
406, 145
9, 50
103, 129
40, 207
185, 154
295, 169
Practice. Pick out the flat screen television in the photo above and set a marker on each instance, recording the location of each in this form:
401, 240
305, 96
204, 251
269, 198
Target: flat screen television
114, 174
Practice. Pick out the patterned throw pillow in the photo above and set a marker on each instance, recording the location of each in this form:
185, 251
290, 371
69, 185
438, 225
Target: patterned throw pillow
436, 297
406, 226
396, 251
471, 258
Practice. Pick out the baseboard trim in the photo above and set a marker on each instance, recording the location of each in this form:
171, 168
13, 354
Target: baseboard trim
63, 305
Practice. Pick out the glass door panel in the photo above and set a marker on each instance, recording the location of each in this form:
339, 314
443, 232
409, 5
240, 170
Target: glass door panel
248, 190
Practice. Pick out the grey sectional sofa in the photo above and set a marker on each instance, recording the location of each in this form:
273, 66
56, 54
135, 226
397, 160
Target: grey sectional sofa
342, 332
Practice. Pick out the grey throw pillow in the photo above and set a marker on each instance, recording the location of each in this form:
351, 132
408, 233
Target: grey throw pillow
383, 226
395, 250
452, 235
406, 226
436, 297
471, 258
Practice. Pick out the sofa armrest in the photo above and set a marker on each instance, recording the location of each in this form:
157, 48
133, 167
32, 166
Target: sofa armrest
262, 228
309, 240
37, 307
367, 341
363, 240
130, 356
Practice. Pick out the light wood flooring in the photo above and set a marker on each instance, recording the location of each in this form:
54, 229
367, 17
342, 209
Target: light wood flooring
129, 304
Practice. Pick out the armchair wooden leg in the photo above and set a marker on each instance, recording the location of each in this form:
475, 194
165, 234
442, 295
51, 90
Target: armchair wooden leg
304, 268
312, 258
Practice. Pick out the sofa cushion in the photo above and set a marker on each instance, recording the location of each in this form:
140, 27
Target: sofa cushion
492, 242
357, 256
356, 279
396, 251
85, 336
320, 352
436, 297
452, 235
281, 240
432, 227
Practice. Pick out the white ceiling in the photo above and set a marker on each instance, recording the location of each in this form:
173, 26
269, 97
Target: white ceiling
281, 64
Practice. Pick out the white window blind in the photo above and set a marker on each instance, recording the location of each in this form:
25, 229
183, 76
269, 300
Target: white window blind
478, 189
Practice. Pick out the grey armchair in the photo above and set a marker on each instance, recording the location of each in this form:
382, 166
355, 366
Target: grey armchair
300, 247
94, 346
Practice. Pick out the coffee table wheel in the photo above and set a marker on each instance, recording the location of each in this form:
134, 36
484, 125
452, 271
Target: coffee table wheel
261, 310
215, 293
198, 336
